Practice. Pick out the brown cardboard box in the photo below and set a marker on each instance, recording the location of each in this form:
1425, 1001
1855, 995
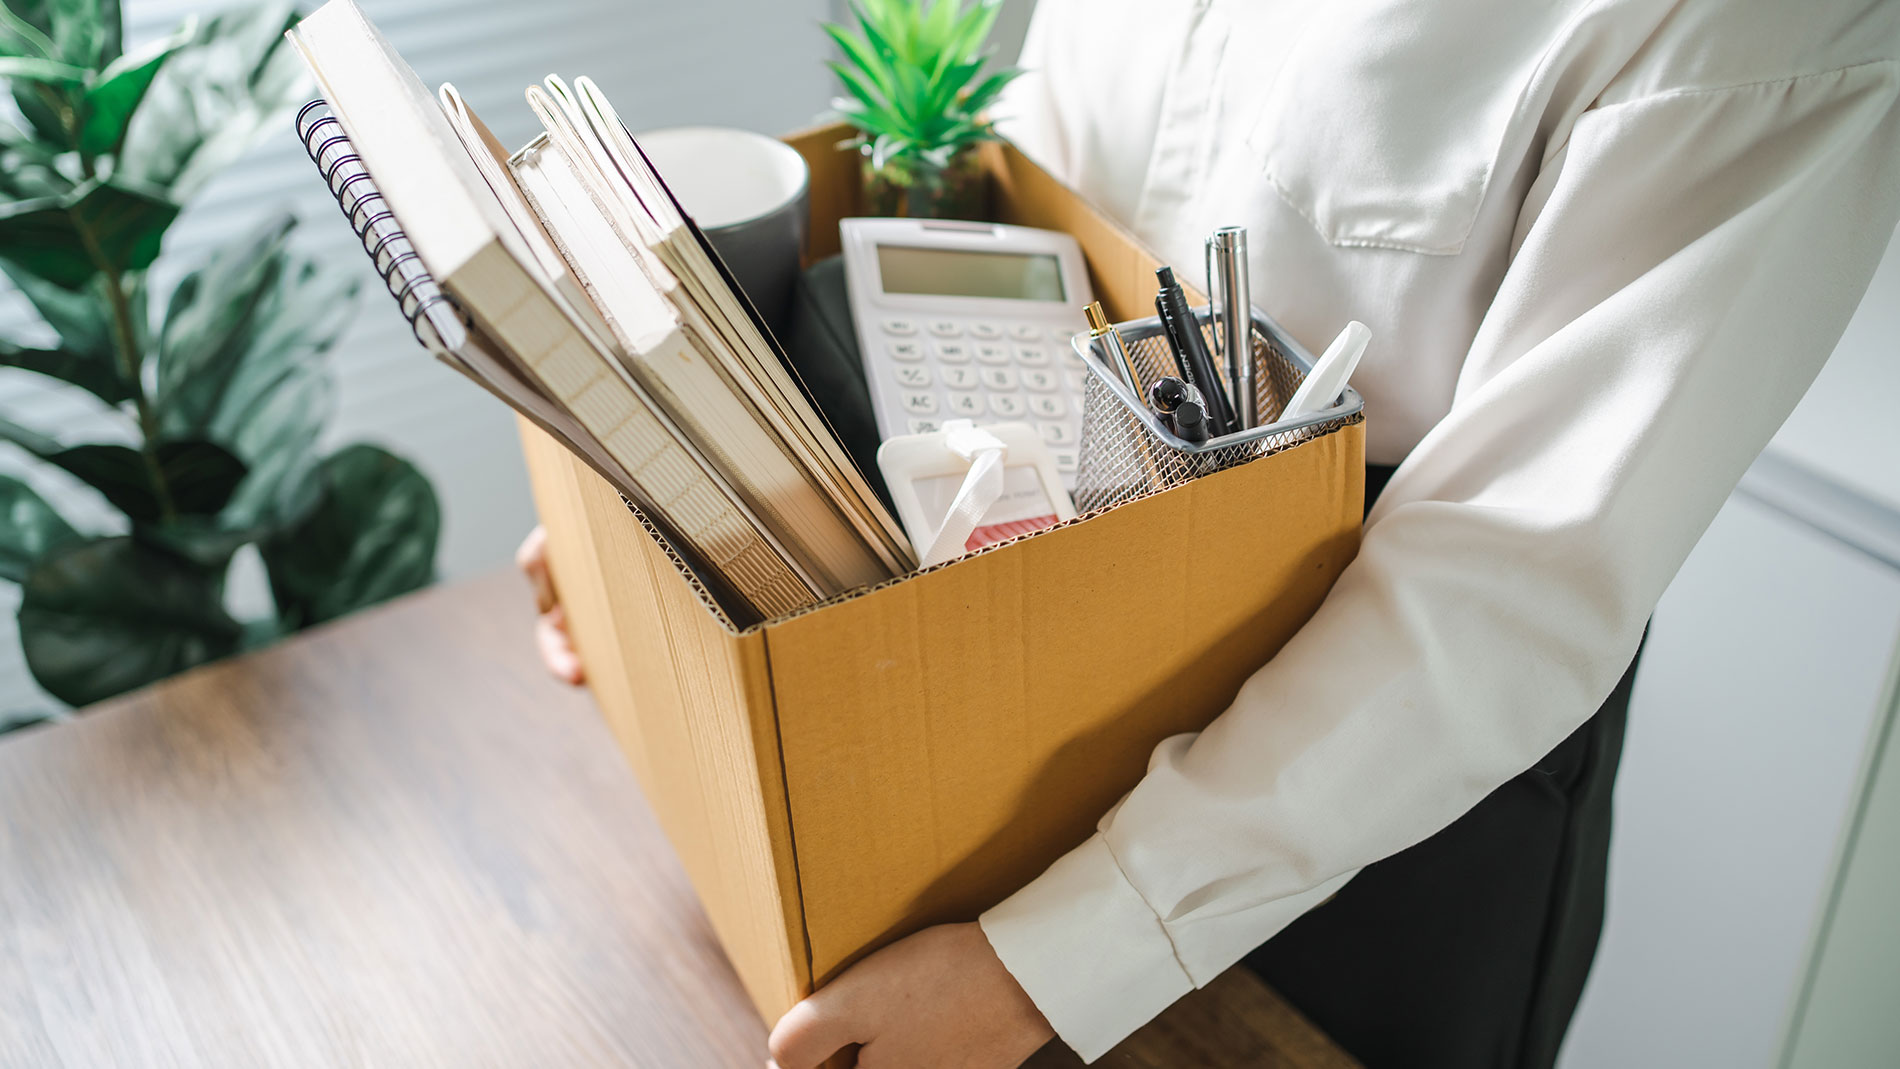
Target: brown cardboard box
911, 754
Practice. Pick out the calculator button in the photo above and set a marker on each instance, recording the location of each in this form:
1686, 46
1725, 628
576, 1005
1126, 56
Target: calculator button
1006, 404
1026, 332
953, 352
1072, 357
967, 404
1058, 434
1061, 337
921, 402
1048, 407
959, 378
985, 331
906, 351
900, 327
1039, 380
1065, 459
946, 328
925, 426
993, 354
1032, 356
999, 378
913, 376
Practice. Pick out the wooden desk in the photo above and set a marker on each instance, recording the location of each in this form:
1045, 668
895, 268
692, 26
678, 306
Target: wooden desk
394, 842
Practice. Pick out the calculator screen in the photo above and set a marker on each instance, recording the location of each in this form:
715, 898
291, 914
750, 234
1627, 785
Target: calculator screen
959, 273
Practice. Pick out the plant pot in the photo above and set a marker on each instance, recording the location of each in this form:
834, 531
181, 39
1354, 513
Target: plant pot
912, 187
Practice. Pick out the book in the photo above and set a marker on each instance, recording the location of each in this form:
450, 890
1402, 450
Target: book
565, 279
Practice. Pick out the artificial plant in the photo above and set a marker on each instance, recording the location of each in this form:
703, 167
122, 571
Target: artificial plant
916, 91
218, 401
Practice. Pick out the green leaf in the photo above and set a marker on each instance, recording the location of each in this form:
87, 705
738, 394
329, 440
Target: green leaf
52, 72
204, 540
106, 110
208, 325
239, 365
82, 318
86, 371
105, 615
26, 438
199, 476
372, 538
57, 239
29, 32
29, 527
234, 80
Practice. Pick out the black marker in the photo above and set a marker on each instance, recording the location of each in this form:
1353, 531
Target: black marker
1167, 393
1190, 351
1190, 423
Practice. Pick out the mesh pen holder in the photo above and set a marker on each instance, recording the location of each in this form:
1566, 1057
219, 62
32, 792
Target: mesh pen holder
1127, 454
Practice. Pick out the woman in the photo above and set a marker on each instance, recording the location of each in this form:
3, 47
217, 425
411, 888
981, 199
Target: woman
1603, 248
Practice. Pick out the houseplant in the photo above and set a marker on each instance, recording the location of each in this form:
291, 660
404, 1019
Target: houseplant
216, 385
914, 77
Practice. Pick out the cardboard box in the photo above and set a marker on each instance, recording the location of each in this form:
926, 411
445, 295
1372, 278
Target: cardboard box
913, 753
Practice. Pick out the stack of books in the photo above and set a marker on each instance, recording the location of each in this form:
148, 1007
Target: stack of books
566, 280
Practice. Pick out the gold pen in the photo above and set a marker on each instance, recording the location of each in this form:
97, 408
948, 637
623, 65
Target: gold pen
1116, 353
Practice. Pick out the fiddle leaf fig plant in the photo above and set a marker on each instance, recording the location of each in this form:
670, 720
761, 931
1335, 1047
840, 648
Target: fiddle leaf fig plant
217, 385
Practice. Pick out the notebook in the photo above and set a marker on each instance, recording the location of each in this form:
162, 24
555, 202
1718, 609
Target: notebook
566, 280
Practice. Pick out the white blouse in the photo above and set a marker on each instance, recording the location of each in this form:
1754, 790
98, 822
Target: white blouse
1603, 248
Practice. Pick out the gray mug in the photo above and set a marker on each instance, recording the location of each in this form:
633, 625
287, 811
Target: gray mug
750, 194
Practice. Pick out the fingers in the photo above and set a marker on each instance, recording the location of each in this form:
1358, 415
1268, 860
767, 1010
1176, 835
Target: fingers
812, 1031
532, 559
557, 647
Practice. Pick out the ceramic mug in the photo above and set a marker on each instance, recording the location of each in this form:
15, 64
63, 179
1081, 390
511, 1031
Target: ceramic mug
750, 194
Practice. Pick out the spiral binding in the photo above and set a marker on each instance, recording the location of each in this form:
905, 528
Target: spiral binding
437, 320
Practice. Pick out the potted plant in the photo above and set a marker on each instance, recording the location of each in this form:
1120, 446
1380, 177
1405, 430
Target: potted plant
216, 386
914, 75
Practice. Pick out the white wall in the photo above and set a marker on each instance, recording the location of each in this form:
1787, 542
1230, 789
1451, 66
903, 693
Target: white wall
750, 63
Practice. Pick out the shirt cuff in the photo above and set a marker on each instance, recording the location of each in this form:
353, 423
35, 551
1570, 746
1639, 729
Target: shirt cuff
1090, 953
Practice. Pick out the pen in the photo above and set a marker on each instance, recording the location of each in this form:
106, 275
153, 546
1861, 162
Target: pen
1231, 288
1190, 352
1116, 353
1190, 423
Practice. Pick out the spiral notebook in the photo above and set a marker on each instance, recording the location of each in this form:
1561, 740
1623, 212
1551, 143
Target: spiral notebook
693, 416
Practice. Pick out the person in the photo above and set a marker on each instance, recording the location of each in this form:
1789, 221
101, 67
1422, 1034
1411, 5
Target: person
1603, 246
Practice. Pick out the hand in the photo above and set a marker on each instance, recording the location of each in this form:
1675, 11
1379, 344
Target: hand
936, 1000
550, 630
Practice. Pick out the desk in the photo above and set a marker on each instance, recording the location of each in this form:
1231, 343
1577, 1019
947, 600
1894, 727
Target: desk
393, 841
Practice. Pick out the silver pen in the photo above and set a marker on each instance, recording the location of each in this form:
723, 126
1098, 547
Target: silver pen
1231, 292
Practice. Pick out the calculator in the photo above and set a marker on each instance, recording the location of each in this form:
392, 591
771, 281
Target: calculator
960, 320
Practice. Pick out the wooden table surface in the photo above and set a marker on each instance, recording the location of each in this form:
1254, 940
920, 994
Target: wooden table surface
395, 842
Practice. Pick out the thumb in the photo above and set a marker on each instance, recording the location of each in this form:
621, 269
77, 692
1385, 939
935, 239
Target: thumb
812, 1031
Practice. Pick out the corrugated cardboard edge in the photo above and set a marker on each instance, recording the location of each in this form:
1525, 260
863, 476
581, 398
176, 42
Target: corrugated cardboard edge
701, 733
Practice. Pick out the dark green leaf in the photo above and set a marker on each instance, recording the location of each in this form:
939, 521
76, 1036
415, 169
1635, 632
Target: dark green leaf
208, 325
372, 538
108, 105
103, 616
82, 319
28, 528
83, 32
235, 79
42, 106
99, 377
26, 438
62, 240
239, 366
203, 540
198, 475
